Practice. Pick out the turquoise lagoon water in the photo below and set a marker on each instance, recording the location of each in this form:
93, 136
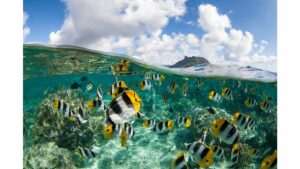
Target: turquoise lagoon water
50, 141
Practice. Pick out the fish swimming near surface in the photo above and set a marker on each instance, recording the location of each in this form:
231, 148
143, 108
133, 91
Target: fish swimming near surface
240, 120
184, 89
163, 126
120, 68
158, 77
214, 96
89, 87
123, 107
200, 153
127, 133
179, 162
234, 157
148, 123
227, 93
184, 121
270, 162
225, 131
145, 85
173, 86
250, 102
85, 153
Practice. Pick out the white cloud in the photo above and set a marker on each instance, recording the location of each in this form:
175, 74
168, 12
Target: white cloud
136, 28
26, 30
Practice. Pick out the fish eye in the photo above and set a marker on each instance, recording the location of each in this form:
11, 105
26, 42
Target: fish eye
207, 161
216, 126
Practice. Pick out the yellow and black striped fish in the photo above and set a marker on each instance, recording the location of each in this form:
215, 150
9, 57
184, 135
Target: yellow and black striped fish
240, 120
95, 104
163, 126
250, 122
123, 107
200, 153
225, 131
145, 85
184, 121
270, 162
164, 97
61, 107
265, 106
148, 123
227, 93
184, 88
250, 102
234, 155
158, 77
214, 96
218, 152
254, 153
173, 87
179, 162
118, 84
127, 133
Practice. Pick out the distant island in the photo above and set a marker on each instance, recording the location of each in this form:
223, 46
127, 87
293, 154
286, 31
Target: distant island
189, 61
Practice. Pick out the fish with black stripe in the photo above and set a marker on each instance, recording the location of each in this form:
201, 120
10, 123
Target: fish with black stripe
184, 88
227, 93
85, 153
211, 110
250, 124
62, 107
127, 133
184, 121
110, 129
123, 107
99, 93
225, 131
179, 162
265, 105
270, 162
250, 102
81, 109
218, 152
145, 85
240, 120
254, 153
148, 123
163, 126
158, 77
164, 97
200, 153
117, 84
96, 104
173, 86
234, 157
214, 96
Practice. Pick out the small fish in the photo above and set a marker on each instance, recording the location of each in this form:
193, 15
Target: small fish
173, 87
184, 122
227, 94
218, 152
179, 162
163, 126
145, 85
165, 98
225, 131
110, 129
214, 96
148, 76
127, 133
123, 107
62, 107
211, 110
184, 88
71, 115
158, 77
250, 124
79, 120
254, 153
234, 155
171, 110
199, 83
81, 109
250, 102
120, 68
148, 123
118, 84
200, 153
96, 104
89, 87
75, 85
85, 153
240, 120
223, 83
270, 162
265, 106
118, 91
99, 93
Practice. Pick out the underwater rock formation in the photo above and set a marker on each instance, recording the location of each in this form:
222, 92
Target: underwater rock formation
189, 62
47, 156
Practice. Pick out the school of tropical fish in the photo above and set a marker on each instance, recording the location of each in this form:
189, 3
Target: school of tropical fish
126, 111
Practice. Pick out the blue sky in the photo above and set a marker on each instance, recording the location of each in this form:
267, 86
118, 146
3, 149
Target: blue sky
256, 16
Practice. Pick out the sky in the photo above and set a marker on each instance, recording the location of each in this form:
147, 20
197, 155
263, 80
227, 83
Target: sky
160, 31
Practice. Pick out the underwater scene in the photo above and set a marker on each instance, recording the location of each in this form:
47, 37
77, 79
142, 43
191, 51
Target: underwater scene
88, 109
